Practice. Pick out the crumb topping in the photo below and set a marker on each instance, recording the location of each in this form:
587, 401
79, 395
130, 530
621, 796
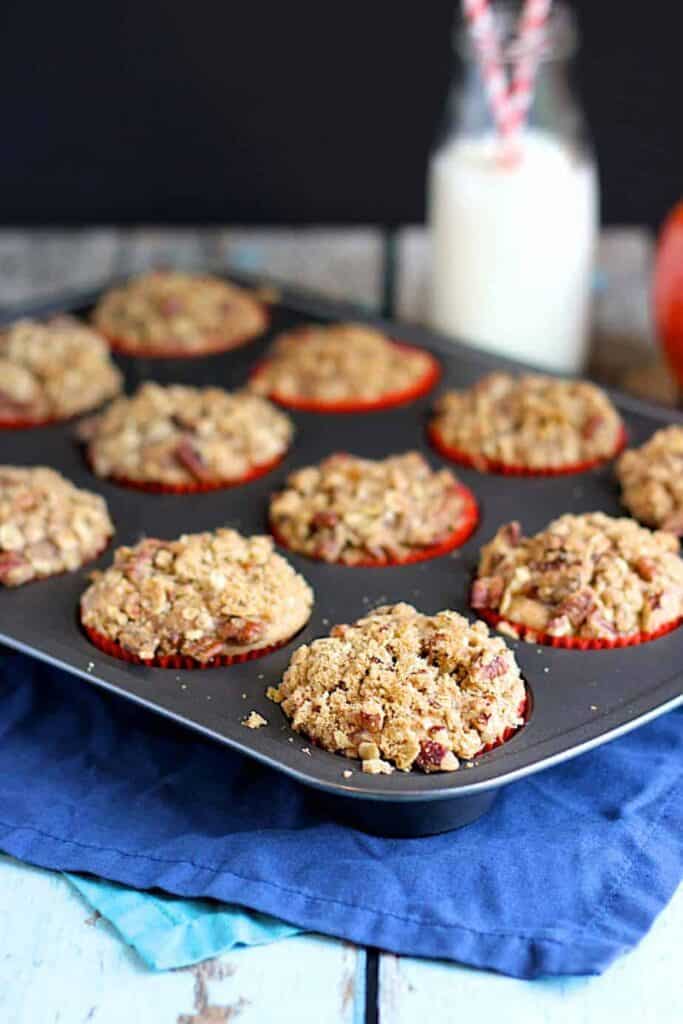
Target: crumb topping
584, 575
534, 421
203, 595
349, 509
54, 370
169, 309
47, 526
405, 689
339, 362
651, 478
184, 435
254, 721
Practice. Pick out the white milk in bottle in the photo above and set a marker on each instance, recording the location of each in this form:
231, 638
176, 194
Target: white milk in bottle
513, 239
513, 247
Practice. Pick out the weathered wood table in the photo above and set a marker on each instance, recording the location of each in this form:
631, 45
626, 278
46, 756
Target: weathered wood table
59, 962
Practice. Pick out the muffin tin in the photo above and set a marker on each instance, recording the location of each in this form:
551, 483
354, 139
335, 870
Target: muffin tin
579, 699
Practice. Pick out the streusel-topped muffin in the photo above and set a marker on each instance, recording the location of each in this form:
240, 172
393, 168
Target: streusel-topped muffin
372, 511
169, 313
205, 598
177, 437
585, 577
47, 526
53, 371
405, 689
343, 368
651, 479
532, 423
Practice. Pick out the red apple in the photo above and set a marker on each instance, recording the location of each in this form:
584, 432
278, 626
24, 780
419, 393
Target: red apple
668, 290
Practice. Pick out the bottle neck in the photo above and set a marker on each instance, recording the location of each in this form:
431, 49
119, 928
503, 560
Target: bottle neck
554, 109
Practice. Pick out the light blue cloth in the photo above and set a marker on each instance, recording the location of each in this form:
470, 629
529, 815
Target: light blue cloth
170, 932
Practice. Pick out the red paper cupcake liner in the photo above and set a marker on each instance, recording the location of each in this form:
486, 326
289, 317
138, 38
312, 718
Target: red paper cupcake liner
470, 519
174, 351
24, 423
176, 661
577, 643
523, 711
486, 465
199, 487
388, 401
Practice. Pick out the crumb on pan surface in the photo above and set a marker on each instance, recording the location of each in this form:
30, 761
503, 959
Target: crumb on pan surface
170, 310
47, 526
337, 363
254, 720
202, 595
531, 421
349, 509
183, 435
53, 370
591, 575
651, 479
398, 688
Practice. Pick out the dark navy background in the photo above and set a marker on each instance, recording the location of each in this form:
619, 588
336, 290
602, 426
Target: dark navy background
160, 110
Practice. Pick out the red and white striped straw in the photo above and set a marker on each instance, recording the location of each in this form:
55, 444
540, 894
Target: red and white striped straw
531, 31
509, 103
485, 38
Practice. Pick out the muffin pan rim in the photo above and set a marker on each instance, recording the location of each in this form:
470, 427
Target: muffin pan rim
500, 767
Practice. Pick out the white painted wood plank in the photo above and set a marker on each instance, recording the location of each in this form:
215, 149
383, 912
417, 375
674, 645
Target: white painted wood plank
340, 263
304, 980
643, 987
40, 263
146, 248
61, 964
412, 279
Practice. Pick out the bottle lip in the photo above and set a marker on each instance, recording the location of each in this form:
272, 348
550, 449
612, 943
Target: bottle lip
559, 39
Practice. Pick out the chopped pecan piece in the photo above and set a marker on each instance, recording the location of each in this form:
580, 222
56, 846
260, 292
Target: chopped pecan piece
205, 650
236, 630
10, 563
324, 520
372, 720
511, 533
646, 568
488, 670
600, 626
171, 305
674, 524
591, 426
487, 592
187, 455
143, 556
578, 607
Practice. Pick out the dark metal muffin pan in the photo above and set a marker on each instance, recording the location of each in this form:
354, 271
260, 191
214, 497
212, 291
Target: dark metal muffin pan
580, 699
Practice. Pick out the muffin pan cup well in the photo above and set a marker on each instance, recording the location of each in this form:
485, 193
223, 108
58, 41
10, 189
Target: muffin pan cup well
389, 400
486, 465
171, 350
107, 646
574, 643
199, 486
466, 527
578, 699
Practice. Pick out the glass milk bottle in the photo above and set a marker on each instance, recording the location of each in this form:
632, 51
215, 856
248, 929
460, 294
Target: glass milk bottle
513, 238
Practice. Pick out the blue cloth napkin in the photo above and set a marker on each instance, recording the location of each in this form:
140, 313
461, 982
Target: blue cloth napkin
566, 872
170, 932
